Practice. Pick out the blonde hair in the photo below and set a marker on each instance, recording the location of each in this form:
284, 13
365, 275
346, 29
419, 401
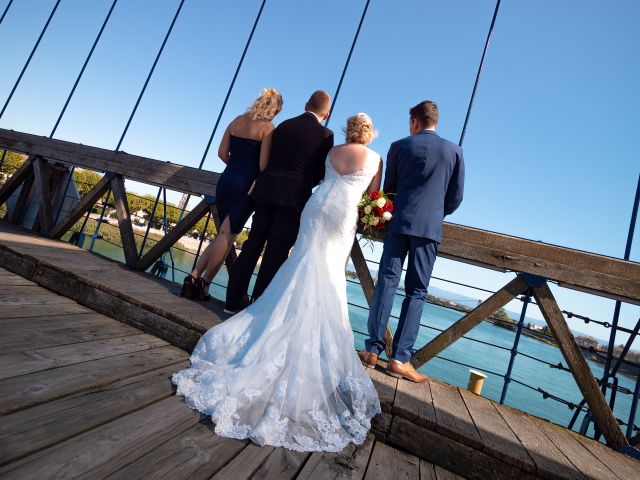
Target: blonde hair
360, 129
267, 105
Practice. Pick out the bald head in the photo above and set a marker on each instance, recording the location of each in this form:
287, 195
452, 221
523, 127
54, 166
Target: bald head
319, 103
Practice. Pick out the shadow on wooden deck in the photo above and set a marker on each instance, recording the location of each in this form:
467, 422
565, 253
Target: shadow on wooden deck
88, 394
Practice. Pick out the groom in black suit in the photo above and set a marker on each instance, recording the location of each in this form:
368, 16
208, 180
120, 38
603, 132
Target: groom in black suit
299, 147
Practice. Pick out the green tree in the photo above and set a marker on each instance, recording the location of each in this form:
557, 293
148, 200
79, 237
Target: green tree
501, 314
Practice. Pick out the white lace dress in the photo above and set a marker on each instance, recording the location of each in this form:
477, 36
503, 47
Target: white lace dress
284, 371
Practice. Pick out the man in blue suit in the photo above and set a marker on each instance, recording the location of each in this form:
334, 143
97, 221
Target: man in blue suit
426, 174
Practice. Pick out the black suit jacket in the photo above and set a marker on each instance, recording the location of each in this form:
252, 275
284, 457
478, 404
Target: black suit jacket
299, 148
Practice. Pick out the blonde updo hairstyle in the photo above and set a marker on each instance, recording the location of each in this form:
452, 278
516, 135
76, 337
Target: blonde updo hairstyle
360, 129
267, 105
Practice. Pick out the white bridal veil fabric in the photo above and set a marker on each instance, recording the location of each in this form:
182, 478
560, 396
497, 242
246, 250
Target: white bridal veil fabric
284, 371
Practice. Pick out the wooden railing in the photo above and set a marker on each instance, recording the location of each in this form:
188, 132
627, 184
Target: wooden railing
534, 262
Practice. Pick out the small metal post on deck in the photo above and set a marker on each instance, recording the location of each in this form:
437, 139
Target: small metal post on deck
514, 350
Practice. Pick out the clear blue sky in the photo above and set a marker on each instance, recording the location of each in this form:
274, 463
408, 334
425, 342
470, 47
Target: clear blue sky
551, 148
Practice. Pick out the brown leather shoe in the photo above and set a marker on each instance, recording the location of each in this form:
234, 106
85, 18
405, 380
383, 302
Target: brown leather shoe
368, 359
398, 369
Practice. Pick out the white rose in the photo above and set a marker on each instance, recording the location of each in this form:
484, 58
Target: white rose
363, 220
380, 202
386, 216
367, 209
374, 221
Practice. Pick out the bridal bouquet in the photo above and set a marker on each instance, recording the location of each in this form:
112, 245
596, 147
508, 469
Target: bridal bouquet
374, 211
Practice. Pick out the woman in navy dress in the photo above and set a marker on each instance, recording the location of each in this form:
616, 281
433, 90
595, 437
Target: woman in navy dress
245, 149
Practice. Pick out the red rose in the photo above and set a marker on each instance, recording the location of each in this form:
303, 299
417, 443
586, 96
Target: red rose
377, 211
388, 207
374, 195
360, 213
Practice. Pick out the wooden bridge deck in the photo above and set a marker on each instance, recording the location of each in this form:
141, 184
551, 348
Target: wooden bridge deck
84, 395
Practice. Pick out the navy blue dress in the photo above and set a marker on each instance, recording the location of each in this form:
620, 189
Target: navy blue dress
232, 191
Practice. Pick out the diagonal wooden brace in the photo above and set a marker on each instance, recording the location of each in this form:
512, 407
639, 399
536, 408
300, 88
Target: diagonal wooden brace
86, 202
42, 177
580, 370
499, 299
16, 180
173, 236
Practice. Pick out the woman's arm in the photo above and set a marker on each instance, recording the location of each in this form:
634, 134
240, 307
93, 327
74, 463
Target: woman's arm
223, 149
265, 148
374, 186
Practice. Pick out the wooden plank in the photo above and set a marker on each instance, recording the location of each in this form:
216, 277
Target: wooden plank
85, 204
414, 402
386, 386
31, 299
124, 221
146, 170
387, 462
497, 437
439, 449
551, 462
11, 280
582, 458
245, 464
35, 311
281, 464
623, 466
43, 194
368, 288
603, 417
30, 361
106, 449
176, 233
349, 464
195, 454
42, 332
18, 393
15, 180
427, 470
452, 416
470, 320
28, 431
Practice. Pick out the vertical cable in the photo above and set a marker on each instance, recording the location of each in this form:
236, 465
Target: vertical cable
6, 9
475, 84
135, 108
346, 64
66, 103
35, 47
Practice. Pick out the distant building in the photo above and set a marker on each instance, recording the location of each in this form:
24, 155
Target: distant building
587, 342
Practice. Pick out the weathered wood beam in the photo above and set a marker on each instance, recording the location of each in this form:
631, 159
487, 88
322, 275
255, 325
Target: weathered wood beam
15, 180
503, 296
368, 287
595, 274
143, 169
580, 370
42, 177
85, 204
174, 235
21, 204
124, 221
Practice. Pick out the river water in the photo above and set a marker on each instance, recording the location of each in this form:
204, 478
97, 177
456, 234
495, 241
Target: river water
477, 355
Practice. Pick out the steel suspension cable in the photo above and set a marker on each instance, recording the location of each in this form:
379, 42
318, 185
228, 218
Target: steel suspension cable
135, 109
6, 9
33, 51
475, 84
346, 64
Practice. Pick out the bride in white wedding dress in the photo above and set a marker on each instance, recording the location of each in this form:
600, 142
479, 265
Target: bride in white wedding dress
284, 371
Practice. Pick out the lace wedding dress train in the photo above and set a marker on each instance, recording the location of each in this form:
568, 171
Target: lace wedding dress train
284, 371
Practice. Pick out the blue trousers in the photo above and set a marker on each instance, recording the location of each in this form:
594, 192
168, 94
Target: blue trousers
422, 255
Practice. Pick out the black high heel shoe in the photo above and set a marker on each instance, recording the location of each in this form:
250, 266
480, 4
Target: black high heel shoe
188, 287
200, 286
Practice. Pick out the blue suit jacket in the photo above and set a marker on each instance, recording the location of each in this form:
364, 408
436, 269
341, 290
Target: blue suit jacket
426, 174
